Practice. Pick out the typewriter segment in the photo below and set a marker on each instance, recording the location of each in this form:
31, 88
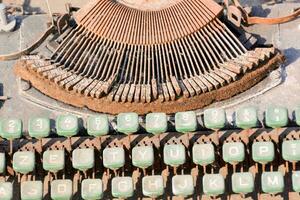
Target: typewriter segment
165, 59
204, 159
149, 100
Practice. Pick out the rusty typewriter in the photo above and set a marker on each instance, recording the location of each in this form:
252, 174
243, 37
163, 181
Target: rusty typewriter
147, 70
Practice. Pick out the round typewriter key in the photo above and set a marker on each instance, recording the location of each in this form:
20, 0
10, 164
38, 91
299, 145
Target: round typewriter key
233, 152
61, 190
272, 182
128, 123
213, 184
98, 125
185, 121
32, 190
54, 160
91, 189
291, 150
242, 183
246, 118
122, 187
39, 127
203, 154
153, 186
156, 123
214, 118
142, 156
11, 128
174, 154
67, 125
83, 159
24, 161
263, 152
6, 191
277, 117
182, 185
113, 158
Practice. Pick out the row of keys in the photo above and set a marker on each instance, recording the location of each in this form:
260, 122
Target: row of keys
143, 156
153, 186
128, 123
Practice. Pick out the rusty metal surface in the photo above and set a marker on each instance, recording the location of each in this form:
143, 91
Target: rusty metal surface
247, 137
29, 70
136, 56
142, 68
116, 22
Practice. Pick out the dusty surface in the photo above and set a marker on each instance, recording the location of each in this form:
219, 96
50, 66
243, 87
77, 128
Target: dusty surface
40, 6
282, 36
182, 104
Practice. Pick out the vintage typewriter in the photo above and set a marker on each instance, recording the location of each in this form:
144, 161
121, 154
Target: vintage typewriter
148, 100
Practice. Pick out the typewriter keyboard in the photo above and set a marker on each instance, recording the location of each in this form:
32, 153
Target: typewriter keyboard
185, 156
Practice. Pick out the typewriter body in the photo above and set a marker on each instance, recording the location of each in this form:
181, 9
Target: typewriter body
151, 99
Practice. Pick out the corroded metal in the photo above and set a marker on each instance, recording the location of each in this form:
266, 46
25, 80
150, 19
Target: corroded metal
148, 56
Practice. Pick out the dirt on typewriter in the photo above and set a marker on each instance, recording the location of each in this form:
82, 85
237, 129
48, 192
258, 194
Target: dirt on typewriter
104, 105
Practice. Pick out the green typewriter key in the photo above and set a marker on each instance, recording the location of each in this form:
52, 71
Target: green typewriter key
6, 191
32, 190
24, 162
61, 190
54, 160
122, 187
2, 163
203, 154
277, 117
113, 158
291, 150
156, 123
242, 183
213, 184
263, 152
83, 159
272, 182
128, 123
142, 156
153, 186
11, 128
246, 118
233, 152
67, 125
182, 185
91, 189
39, 127
214, 118
174, 155
98, 125
296, 181
185, 122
